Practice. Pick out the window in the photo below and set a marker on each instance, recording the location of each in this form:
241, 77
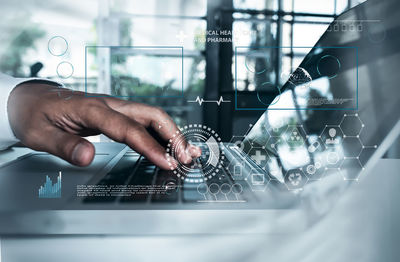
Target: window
27, 31
281, 23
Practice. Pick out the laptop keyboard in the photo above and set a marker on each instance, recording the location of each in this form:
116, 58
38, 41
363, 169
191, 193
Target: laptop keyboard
133, 169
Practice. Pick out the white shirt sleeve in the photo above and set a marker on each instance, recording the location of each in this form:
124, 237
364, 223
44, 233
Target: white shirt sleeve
7, 84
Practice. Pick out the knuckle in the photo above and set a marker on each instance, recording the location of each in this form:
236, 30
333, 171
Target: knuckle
95, 102
130, 133
122, 134
93, 108
139, 128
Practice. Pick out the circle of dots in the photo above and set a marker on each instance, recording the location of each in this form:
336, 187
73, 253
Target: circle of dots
197, 128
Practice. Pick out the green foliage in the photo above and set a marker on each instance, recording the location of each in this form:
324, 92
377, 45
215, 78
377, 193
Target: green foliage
125, 27
12, 60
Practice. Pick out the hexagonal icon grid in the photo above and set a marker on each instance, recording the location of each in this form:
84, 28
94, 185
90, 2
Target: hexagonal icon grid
238, 141
332, 172
352, 146
295, 179
277, 128
331, 135
315, 145
314, 170
295, 158
257, 179
334, 158
237, 170
295, 136
351, 169
365, 154
275, 170
274, 142
351, 125
259, 155
259, 141
277, 173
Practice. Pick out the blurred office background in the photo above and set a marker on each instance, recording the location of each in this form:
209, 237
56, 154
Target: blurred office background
48, 39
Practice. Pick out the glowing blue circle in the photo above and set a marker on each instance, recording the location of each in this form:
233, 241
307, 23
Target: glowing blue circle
273, 101
253, 70
53, 41
62, 66
325, 57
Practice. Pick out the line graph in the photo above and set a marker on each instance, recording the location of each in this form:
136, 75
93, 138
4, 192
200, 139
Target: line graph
200, 101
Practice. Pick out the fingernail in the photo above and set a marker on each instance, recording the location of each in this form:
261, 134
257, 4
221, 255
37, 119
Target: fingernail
174, 164
195, 151
186, 158
78, 154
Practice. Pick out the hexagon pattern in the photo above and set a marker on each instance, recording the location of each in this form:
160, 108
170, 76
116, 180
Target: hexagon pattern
340, 148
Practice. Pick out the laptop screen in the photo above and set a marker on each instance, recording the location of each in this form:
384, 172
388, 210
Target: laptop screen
346, 95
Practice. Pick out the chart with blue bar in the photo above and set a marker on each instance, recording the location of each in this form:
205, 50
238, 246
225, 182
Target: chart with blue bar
50, 190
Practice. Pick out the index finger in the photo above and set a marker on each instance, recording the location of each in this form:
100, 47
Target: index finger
159, 121
122, 129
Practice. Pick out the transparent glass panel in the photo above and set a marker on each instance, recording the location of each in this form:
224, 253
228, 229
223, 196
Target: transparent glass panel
137, 72
154, 77
255, 69
149, 72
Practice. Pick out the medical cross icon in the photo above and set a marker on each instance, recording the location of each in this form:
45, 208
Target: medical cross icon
181, 36
258, 157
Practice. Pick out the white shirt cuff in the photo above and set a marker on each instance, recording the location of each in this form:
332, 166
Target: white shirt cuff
7, 84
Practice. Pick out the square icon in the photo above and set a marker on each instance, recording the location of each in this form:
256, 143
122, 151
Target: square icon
257, 179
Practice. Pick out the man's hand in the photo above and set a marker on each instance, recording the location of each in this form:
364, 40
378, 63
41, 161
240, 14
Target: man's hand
44, 121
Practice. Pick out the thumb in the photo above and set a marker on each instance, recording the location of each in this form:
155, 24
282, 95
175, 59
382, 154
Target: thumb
69, 147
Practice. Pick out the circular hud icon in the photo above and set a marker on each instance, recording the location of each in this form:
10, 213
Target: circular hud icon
57, 46
277, 95
208, 164
65, 70
329, 66
256, 62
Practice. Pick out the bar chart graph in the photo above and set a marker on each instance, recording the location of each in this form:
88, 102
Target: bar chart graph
50, 190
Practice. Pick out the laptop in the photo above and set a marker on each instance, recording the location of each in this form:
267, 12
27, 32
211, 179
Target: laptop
335, 116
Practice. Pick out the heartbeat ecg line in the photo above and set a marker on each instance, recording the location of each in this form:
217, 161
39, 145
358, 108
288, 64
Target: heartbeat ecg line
200, 101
